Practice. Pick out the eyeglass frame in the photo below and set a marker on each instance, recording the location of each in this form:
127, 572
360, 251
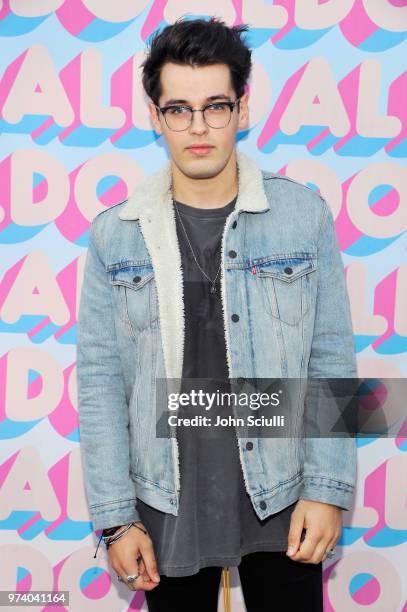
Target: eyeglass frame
231, 105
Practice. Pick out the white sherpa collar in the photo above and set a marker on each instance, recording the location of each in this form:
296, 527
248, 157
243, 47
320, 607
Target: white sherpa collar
155, 191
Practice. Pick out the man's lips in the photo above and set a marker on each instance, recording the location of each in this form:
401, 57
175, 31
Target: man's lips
201, 149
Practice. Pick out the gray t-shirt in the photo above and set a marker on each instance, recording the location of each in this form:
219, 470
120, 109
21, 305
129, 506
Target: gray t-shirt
216, 524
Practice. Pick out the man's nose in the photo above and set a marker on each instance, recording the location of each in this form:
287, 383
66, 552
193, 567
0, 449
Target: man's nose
198, 124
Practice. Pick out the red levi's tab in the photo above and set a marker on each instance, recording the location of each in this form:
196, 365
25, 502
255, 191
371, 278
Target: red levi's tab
254, 270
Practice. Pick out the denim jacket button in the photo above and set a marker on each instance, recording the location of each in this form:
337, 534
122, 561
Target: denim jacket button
249, 445
263, 505
234, 224
232, 254
235, 317
136, 279
288, 270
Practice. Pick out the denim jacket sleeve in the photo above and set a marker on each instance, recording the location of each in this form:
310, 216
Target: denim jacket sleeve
102, 406
330, 462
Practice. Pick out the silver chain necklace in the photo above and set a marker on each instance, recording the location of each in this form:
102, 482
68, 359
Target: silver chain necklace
213, 288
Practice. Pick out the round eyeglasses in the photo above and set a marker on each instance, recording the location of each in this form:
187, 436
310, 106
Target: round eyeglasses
216, 115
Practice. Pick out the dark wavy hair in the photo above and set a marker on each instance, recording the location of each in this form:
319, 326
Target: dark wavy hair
197, 42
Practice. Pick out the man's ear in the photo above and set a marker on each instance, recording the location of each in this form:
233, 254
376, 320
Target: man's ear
154, 118
243, 122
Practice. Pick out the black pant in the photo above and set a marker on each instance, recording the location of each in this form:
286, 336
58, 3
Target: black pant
269, 580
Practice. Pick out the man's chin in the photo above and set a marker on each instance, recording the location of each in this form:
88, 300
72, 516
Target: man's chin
201, 169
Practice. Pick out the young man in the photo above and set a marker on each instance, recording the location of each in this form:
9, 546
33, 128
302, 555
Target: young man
212, 269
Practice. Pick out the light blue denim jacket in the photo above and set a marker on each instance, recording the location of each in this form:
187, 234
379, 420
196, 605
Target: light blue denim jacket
293, 321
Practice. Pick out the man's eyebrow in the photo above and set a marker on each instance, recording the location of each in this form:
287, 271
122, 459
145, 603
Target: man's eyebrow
179, 101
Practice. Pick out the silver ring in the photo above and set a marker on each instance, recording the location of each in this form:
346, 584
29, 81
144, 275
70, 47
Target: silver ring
132, 578
330, 553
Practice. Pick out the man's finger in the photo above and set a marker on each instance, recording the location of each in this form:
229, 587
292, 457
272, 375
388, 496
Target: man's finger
143, 570
319, 551
308, 546
130, 570
150, 562
294, 534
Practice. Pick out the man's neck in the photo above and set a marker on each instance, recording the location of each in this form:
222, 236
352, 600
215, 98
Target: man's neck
214, 192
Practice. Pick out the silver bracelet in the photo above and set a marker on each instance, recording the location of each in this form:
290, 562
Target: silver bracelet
108, 540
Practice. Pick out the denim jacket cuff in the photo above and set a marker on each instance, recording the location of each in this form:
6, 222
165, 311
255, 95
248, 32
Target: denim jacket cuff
108, 515
328, 490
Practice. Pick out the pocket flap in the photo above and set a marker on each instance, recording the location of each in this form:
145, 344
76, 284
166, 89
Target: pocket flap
287, 269
132, 276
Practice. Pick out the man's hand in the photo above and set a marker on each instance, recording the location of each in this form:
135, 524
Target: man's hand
133, 554
323, 524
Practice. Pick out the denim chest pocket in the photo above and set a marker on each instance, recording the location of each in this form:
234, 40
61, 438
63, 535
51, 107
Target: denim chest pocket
288, 282
135, 294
